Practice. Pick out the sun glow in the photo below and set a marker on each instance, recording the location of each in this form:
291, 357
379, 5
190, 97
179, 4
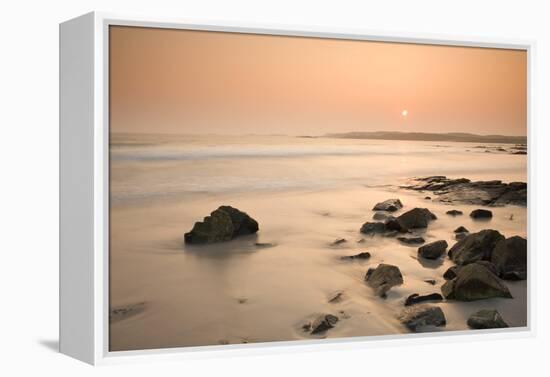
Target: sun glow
404, 113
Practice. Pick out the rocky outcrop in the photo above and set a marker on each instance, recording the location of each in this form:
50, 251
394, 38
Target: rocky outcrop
223, 224
481, 214
419, 317
383, 278
390, 205
510, 258
475, 247
415, 218
462, 190
433, 250
415, 298
486, 319
474, 282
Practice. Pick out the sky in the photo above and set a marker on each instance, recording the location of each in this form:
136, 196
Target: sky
182, 81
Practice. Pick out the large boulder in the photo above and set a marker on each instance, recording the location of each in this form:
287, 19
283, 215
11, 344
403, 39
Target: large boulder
510, 258
420, 317
390, 205
223, 224
415, 218
475, 247
383, 277
433, 250
474, 282
486, 319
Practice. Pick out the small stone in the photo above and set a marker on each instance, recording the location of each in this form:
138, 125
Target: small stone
454, 212
323, 323
415, 298
411, 240
461, 229
337, 297
430, 281
373, 228
338, 241
364, 255
481, 214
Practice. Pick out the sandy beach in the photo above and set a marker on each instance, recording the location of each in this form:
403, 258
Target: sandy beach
305, 193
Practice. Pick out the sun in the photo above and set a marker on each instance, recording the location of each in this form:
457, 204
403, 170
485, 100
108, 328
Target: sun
404, 113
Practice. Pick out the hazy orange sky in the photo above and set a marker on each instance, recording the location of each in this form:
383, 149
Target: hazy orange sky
180, 81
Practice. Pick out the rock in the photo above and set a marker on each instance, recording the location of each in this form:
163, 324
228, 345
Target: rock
415, 218
462, 190
510, 258
383, 277
363, 256
461, 229
460, 236
223, 224
373, 228
390, 205
475, 247
121, 313
451, 272
454, 212
428, 198
486, 319
323, 323
430, 281
415, 298
411, 240
418, 317
337, 297
380, 216
519, 152
264, 244
474, 282
338, 241
481, 214
433, 250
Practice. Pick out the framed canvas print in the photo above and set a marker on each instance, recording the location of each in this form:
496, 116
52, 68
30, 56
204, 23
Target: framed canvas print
228, 188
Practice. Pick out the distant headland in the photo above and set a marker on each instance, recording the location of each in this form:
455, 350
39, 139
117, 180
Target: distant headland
424, 136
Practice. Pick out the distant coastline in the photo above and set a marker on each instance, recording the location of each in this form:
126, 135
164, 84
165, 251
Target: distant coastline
424, 136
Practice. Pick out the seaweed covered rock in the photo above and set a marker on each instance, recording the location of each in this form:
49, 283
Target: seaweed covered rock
390, 205
433, 250
383, 278
415, 218
510, 258
486, 319
475, 282
475, 247
419, 317
223, 224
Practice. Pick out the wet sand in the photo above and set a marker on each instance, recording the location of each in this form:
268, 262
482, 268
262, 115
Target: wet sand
237, 292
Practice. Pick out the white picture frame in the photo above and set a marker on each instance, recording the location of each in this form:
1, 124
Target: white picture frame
84, 184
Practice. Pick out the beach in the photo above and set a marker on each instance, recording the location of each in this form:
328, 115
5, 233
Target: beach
305, 193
